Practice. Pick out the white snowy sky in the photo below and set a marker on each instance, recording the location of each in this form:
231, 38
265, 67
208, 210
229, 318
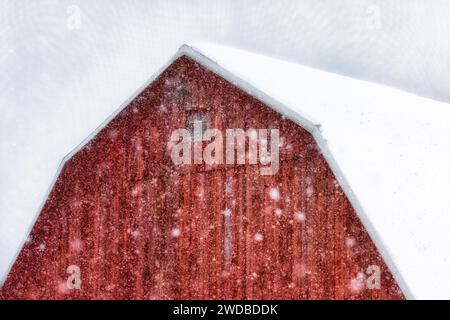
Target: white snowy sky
58, 84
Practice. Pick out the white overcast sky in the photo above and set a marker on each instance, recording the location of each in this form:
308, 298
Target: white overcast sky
59, 79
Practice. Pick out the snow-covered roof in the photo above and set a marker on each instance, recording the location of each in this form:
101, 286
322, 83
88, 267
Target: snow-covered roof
390, 147
390, 150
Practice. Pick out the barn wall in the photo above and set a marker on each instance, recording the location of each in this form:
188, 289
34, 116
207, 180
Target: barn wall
140, 227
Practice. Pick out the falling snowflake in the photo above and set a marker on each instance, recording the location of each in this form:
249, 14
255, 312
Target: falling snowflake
76, 204
309, 191
200, 193
227, 212
135, 233
299, 270
41, 247
300, 216
113, 133
258, 237
175, 232
278, 212
225, 274
357, 283
228, 187
110, 287
76, 245
136, 191
336, 184
350, 242
274, 194
162, 108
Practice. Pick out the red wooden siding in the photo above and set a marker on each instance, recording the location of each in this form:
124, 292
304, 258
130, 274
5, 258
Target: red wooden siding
140, 227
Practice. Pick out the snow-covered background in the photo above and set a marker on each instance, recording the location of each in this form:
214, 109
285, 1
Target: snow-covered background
66, 65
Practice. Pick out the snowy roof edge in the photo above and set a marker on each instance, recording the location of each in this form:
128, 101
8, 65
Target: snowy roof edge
384, 252
310, 126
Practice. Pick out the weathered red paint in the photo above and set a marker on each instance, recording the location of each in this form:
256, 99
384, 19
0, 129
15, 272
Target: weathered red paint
116, 203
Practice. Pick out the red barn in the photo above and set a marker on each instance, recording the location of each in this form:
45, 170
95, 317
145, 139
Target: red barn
123, 221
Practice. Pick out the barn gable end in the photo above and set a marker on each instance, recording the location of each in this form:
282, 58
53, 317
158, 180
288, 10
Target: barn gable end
139, 227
